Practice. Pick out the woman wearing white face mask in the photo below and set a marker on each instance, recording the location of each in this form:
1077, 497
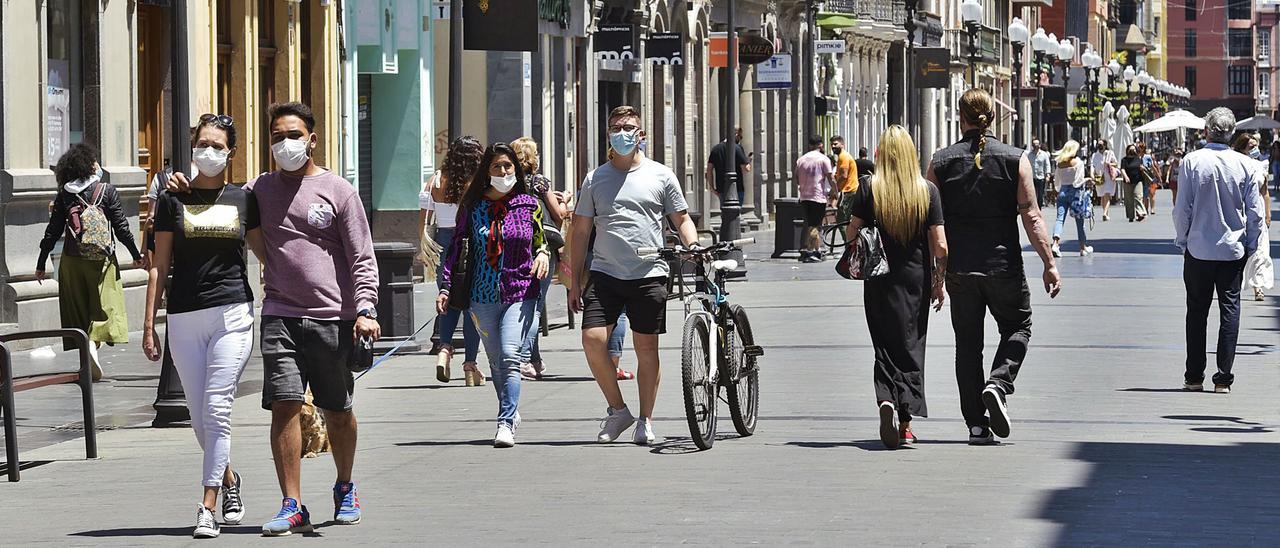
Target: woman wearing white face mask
210, 308
500, 231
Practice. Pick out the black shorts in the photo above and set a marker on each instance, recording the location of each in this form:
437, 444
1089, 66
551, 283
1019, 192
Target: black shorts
644, 300
813, 212
299, 352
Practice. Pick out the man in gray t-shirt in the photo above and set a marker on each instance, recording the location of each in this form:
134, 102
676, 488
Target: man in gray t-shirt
625, 201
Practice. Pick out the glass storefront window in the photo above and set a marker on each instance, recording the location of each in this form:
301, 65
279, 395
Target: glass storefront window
64, 117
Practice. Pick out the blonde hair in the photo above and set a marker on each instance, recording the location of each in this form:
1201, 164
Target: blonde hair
527, 151
977, 109
901, 197
1068, 153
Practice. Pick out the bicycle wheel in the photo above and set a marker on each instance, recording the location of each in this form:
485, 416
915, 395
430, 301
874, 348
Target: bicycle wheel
834, 238
699, 390
743, 384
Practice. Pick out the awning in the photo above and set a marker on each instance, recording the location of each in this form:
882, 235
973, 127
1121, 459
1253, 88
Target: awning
833, 21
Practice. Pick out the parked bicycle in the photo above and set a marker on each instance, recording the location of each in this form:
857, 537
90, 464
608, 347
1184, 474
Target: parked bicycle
732, 361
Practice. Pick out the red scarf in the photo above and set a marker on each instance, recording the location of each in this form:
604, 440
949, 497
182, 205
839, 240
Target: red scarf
493, 245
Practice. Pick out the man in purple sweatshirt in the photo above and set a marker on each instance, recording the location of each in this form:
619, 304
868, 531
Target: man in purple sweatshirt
321, 293
321, 290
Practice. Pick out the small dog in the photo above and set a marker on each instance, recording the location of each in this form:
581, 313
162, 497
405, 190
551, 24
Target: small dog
315, 438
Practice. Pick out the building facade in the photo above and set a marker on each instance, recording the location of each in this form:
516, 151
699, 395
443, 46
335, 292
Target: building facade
1212, 54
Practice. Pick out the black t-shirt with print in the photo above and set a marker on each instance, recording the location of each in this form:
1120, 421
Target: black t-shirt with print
208, 246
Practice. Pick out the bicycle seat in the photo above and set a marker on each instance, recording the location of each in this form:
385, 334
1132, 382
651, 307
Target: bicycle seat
726, 264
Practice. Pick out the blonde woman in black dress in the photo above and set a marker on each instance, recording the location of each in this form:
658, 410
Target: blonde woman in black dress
907, 209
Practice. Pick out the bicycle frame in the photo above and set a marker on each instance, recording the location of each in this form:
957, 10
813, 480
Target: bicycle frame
708, 299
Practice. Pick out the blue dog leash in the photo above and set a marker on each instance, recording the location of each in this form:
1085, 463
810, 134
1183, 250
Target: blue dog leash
394, 349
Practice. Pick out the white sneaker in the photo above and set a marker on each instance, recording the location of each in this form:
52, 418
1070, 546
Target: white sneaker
618, 421
1086, 251
95, 367
644, 432
505, 436
206, 526
1057, 251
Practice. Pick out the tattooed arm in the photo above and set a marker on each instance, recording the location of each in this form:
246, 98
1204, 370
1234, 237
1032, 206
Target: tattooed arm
1034, 225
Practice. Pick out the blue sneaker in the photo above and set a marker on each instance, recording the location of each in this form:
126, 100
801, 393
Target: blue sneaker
292, 518
346, 503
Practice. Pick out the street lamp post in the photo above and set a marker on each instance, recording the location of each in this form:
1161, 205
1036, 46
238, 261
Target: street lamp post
1092, 65
1129, 75
1142, 79
1018, 35
1040, 45
1051, 55
1066, 53
1113, 72
909, 25
971, 15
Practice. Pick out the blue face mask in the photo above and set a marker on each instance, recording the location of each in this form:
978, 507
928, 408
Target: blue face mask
624, 142
1255, 153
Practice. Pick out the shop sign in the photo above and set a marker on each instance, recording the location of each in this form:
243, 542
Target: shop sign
774, 73
828, 46
615, 43
665, 48
932, 68
500, 25
1054, 105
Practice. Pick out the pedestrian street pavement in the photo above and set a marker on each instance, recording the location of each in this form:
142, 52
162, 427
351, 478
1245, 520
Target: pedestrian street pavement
1106, 449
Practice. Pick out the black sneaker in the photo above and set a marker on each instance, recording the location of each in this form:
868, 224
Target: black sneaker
981, 435
993, 398
232, 505
890, 435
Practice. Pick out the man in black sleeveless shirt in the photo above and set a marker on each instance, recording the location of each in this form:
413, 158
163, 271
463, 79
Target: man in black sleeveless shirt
986, 185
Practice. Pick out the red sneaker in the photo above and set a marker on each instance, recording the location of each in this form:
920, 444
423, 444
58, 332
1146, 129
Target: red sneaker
624, 375
908, 437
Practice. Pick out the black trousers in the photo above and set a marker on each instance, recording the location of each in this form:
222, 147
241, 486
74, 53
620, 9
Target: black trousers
1009, 300
1039, 185
1203, 279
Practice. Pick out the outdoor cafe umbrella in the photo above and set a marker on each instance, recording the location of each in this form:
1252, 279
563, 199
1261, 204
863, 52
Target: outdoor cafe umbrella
1122, 137
1257, 122
1178, 119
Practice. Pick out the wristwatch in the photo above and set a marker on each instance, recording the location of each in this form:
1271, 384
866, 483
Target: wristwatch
371, 313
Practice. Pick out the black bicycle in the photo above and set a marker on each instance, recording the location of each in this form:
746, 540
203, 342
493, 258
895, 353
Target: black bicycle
733, 361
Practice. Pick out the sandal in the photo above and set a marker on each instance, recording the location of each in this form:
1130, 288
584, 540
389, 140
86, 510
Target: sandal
473, 375
442, 363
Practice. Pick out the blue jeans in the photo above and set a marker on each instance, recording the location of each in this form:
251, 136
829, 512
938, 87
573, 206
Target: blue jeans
618, 336
506, 331
448, 322
1065, 199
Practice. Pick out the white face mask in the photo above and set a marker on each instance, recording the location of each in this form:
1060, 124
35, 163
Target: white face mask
290, 154
502, 184
209, 161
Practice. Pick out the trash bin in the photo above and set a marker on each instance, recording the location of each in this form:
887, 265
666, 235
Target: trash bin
395, 294
786, 215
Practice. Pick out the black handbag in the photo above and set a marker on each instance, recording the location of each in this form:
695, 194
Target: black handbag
463, 272
864, 258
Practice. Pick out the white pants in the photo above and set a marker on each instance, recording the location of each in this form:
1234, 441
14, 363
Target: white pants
210, 348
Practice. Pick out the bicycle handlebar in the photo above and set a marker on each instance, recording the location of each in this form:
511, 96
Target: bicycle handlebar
679, 250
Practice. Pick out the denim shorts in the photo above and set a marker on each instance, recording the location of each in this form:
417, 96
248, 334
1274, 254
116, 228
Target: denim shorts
300, 352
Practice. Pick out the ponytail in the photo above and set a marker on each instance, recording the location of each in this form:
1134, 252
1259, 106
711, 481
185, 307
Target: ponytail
984, 122
976, 108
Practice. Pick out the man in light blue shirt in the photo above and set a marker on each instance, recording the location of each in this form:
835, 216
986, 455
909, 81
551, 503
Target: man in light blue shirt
1041, 169
1218, 218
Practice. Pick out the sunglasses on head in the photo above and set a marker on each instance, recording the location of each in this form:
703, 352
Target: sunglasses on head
219, 119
